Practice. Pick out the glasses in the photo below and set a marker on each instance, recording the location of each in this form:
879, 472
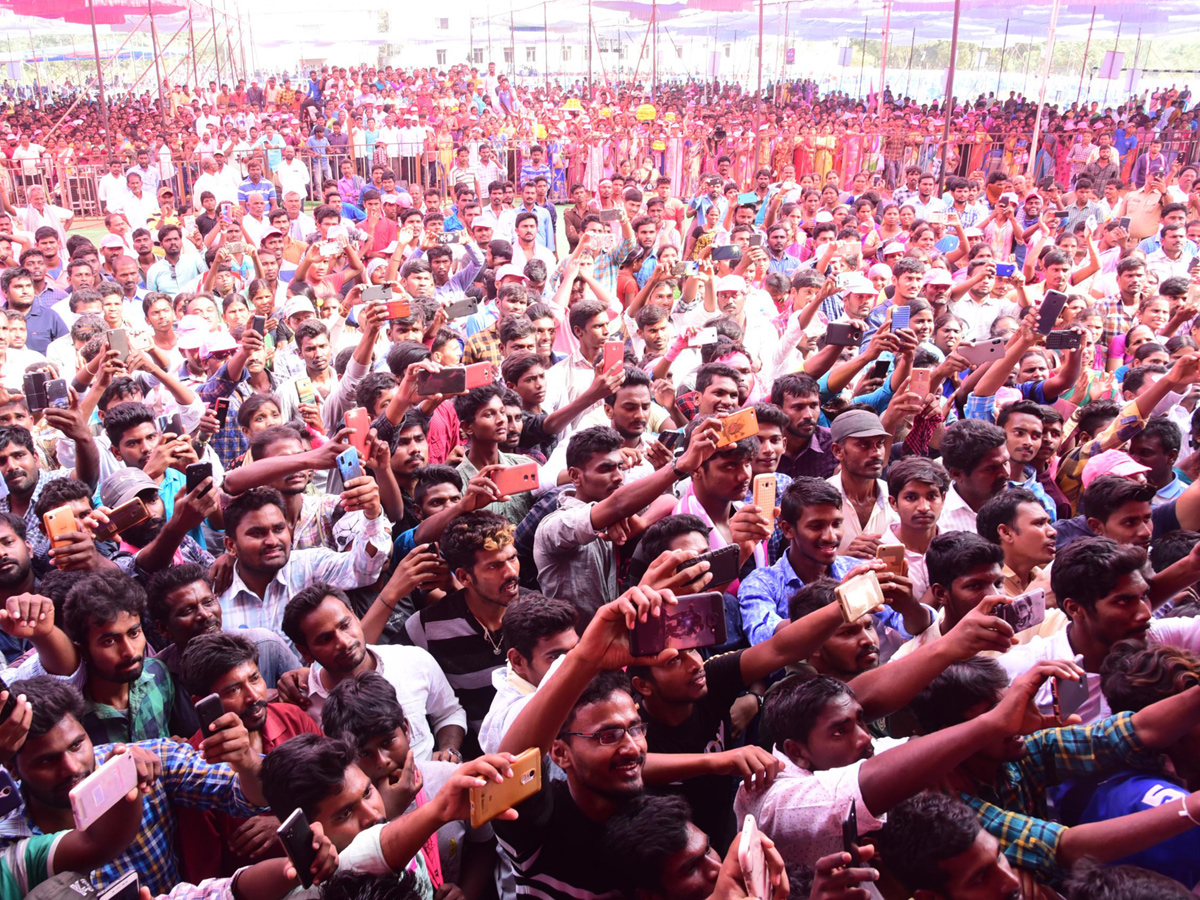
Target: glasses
609, 736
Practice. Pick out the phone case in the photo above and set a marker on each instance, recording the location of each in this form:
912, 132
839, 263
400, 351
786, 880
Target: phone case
753, 861
480, 375
614, 352
727, 252
608, 216
125, 516
764, 494
127, 887
57, 522
398, 309
1064, 340
738, 426
196, 473
1005, 270
723, 564
259, 324
698, 620
360, 420
209, 709
1052, 307
377, 292
1023, 612
919, 383
296, 837
35, 390
984, 351
702, 337
489, 801
10, 794
517, 480
893, 558
118, 340
100, 791
57, 395
844, 334
221, 410
859, 596
450, 380
304, 390
901, 316
1067, 696
348, 464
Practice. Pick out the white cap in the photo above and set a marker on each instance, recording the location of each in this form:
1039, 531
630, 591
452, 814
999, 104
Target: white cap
731, 284
191, 331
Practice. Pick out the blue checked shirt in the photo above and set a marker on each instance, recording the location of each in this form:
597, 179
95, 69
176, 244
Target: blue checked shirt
764, 594
187, 780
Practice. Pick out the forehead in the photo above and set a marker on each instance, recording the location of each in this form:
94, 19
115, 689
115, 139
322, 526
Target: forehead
617, 708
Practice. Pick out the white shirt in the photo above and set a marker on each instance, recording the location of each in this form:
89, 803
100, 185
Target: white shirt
110, 189
980, 316
502, 223
566, 380
880, 522
255, 228
918, 570
12, 374
520, 256
956, 514
429, 702
293, 176
136, 210
1164, 267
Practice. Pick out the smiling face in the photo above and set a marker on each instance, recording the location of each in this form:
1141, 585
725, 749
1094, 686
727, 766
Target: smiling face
816, 535
612, 771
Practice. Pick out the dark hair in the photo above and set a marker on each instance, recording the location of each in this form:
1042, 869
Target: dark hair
304, 602
922, 832
794, 385
372, 387
249, 501
119, 390
469, 533
1136, 674
303, 771
1166, 431
585, 444
1171, 548
122, 417
659, 535
431, 476
515, 365
1002, 510
713, 370
273, 434
792, 706
361, 708
100, 597
58, 492
1098, 411
770, 414
403, 354
361, 886
55, 700
209, 656
583, 312
1108, 493
514, 328
961, 685
601, 687
166, 581
813, 596
954, 553
805, 491
919, 469
1135, 378
1091, 880
534, 616
17, 434
968, 441
1088, 569
642, 834
1018, 407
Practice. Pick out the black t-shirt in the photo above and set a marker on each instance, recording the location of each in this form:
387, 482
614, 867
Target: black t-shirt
556, 851
205, 223
707, 730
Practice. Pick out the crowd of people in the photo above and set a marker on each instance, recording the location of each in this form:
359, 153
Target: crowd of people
818, 525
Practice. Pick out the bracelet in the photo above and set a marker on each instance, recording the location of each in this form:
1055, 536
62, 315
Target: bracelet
1184, 813
676, 472
455, 752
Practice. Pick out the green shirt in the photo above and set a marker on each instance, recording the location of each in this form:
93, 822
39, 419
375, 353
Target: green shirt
151, 702
25, 864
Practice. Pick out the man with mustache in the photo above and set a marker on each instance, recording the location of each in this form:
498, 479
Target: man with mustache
975, 454
214, 844
321, 622
808, 442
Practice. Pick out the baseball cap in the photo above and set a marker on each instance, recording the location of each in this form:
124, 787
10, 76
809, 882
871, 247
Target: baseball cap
217, 342
269, 232
297, 305
1111, 462
123, 485
857, 423
111, 240
191, 331
938, 276
731, 284
509, 271
859, 284
893, 247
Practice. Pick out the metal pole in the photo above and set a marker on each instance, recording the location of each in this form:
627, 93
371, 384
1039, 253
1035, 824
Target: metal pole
950, 95
491, 54
546, 46
758, 98
242, 44
100, 79
512, 41
654, 49
216, 45
1116, 44
1037, 122
862, 62
591, 40
250, 28
37, 79
162, 105
1028, 61
887, 25
192, 46
1086, 49
1003, 47
228, 43
912, 48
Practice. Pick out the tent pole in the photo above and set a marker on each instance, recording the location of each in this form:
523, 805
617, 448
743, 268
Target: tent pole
950, 95
591, 39
1003, 47
758, 98
216, 48
100, 79
1037, 122
912, 47
887, 25
191, 45
862, 63
654, 49
546, 46
1086, 49
1116, 44
162, 106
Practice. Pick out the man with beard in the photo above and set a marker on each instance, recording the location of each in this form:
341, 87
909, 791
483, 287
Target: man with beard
16, 580
364, 709
268, 572
808, 442
483, 420
175, 270
860, 445
975, 454
1023, 426
58, 754
321, 623
213, 844
1016, 521
312, 344
462, 631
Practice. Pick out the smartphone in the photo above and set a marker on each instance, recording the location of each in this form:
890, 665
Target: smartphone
858, 596
460, 309
304, 390
103, 789
1061, 215
691, 268
753, 861
329, 248
670, 439
259, 325
1067, 696
697, 620
209, 710
226, 211
127, 887
297, 839
723, 564
450, 380
236, 247
9, 704
608, 216
1064, 340
614, 353
1124, 222
221, 411
359, 420
480, 375
703, 336
1051, 309
517, 479
679, 270
1025, 611
489, 801
738, 426
1005, 270
348, 464
727, 253
850, 832
764, 495
755, 240
879, 368
376, 293
35, 390
196, 473
984, 351
901, 316
10, 794
398, 309
448, 237
893, 558
58, 522
118, 340
748, 198
844, 334
57, 395
171, 424
124, 516
920, 380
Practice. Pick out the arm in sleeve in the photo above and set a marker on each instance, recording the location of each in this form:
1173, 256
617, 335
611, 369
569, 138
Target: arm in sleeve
758, 608
441, 705
190, 781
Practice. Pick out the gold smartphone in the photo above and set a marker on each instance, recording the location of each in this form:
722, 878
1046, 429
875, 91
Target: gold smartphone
57, 522
489, 801
764, 495
893, 558
859, 596
737, 426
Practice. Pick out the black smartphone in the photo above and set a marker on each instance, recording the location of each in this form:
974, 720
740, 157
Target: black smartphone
452, 380
844, 334
670, 439
1050, 310
1067, 696
10, 794
221, 410
297, 839
57, 394
850, 833
1124, 222
1061, 215
1064, 340
196, 473
209, 709
879, 368
35, 390
171, 424
607, 216
756, 240
7, 709
727, 253
259, 325
722, 564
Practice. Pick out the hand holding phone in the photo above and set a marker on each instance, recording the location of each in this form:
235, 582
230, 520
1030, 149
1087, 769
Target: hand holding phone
297, 839
753, 861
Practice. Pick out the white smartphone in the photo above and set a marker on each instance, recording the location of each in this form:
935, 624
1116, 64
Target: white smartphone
753, 861
103, 789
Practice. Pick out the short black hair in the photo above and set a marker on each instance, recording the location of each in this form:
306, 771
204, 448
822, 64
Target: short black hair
166, 581
770, 414
17, 434
960, 686
59, 492
121, 417
303, 771
361, 886
1088, 569
813, 596
209, 656
922, 832
1109, 493
792, 706
471, 532
100, 597
468, 405
588, 442
1136, 674
805, 491
1090, 880
659, 535
304, 602
968, 441
362, 708
601, 687
251, 500
431, 476
954, 553
917, 468
1167, 432
1002, 510
709, 372
1096, 415
54, 700
794, 385
534, 616
642, 834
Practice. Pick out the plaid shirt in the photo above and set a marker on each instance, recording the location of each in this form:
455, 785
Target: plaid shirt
483, 346
186, 781
1027, 842
38, 542
151, 699
1122, 429
1117, 320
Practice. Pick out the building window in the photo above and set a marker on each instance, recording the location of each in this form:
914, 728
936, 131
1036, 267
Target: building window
508, 54
531, 54
441, 57
443, 24
478, 56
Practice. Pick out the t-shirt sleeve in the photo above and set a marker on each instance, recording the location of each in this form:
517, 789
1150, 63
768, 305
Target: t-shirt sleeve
31, 861
365, 854
724, 675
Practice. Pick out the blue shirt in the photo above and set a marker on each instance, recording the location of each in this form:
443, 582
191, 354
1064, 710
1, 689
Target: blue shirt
43, 325
764, 594
264, 187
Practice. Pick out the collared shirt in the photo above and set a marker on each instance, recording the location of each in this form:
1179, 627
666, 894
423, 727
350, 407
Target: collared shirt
186, 780
1121, 430
567, 380
815, 461
1030, 483
513, 507
264, 187
241, 607
151, 700
171, 277
881, 520
38, 542
43, 325
1173, 490
763, 595
956, 514
979, 316
1164, 267
1118, 318
574, 561
483, 346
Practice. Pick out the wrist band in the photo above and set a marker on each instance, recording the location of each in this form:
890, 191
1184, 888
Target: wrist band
1185, 814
